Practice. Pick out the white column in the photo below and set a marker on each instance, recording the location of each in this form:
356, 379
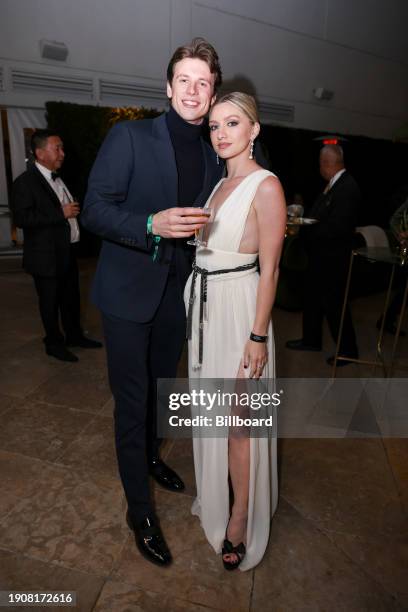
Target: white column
18, 119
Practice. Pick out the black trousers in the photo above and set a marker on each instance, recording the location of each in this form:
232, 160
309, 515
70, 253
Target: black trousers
138, 354
59, 295
325, 282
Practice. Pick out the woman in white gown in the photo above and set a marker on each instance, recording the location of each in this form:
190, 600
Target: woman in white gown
236, 339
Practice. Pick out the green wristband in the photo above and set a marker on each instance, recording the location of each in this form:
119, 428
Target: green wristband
149, 227
149, 230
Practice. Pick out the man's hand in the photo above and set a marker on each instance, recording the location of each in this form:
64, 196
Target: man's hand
71, 210
178, 222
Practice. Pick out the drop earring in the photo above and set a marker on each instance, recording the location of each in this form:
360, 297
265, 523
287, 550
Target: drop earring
251, 150
218, 160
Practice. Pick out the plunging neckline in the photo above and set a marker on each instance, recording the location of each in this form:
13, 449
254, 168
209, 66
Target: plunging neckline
232, 192
217, 213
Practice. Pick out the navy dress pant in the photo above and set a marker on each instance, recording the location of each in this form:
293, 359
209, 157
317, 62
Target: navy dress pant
138, 354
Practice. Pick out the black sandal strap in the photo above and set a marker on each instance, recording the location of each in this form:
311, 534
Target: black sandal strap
229, 549
240, 549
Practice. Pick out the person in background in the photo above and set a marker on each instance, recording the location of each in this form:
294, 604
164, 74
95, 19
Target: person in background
43, 207
328, 244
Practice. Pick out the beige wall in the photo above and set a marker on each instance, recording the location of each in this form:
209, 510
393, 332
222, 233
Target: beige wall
283, 49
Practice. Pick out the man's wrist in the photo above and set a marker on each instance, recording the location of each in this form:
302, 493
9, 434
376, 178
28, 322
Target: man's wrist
156, 238
149, 225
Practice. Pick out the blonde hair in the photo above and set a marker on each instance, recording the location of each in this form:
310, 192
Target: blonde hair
243, 101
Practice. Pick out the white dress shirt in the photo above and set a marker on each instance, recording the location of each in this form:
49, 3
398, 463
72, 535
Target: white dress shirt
62, 193
335, 177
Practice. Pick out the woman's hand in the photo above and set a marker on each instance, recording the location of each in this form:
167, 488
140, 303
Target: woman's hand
255, 357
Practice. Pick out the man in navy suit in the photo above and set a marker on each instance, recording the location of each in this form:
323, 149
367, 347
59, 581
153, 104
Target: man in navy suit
42, 205
328, 245
145, 185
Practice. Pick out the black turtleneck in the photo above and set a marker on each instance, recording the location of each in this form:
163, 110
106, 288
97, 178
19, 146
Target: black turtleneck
185, 138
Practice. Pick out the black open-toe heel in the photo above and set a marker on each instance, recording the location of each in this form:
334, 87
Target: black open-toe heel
229, 549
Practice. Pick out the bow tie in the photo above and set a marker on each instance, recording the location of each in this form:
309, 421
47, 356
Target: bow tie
54, 176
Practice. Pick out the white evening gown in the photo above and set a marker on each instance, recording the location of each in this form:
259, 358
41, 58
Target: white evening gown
231, 304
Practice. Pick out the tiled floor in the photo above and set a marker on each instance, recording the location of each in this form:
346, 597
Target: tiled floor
339, 539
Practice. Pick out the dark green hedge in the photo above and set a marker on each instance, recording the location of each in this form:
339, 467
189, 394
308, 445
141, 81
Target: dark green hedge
83, 128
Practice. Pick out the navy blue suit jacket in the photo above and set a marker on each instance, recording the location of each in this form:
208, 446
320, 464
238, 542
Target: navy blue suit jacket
134, 175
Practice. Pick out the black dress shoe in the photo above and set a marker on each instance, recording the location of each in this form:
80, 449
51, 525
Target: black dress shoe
165, 476
84, 342
150, 541
346, 360
299, 345
60, 352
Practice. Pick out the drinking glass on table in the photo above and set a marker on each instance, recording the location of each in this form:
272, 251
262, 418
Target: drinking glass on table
295, 211
294, 214
196, 241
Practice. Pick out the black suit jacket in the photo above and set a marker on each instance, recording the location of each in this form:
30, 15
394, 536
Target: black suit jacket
37, 210
134, 175
337, 212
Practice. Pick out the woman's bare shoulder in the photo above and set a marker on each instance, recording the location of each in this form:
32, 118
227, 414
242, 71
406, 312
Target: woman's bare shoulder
269, 188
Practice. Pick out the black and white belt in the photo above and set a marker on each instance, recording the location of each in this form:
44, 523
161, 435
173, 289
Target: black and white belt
203, 299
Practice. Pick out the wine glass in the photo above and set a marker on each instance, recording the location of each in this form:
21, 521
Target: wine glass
294, 219
196, 241
295, 211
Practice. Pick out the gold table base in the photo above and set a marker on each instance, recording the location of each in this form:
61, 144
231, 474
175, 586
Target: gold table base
379, 360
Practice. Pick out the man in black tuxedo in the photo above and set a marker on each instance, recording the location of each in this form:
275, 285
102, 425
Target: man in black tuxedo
328, 244
43, 207
143, 189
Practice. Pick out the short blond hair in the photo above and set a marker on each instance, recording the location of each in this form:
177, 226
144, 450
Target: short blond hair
243, 101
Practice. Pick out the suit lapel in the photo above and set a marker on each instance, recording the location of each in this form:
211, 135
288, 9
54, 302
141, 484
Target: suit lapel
337, 183
166, 160
324, 200
46, 186
332, 190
